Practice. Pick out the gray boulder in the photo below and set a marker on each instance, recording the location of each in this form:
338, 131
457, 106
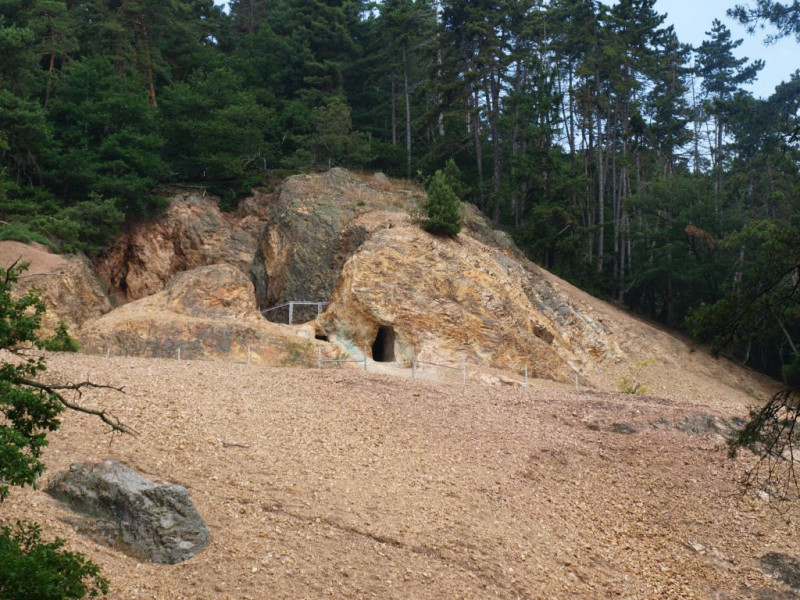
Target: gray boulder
121, 508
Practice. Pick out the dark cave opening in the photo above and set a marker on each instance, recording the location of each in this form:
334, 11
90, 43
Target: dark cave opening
383, 346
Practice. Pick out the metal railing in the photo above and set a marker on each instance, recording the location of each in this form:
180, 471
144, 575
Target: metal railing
291, 304
183, 350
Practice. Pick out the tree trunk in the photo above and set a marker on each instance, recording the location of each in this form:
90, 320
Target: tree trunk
394, 114
476, 134
407, 98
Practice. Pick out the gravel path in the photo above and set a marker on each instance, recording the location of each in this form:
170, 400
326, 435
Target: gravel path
340, 484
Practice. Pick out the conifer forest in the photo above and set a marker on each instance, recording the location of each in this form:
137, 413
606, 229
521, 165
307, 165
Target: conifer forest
616, 155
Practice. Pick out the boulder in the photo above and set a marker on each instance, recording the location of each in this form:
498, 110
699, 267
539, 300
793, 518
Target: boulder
146, 520
783, 567
442, 299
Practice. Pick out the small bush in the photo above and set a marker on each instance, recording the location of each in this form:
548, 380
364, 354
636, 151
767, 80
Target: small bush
34, 569
60, 341
298, 354
442, 208
18, 232
634, 385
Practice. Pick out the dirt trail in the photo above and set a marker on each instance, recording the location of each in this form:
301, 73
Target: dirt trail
341, 484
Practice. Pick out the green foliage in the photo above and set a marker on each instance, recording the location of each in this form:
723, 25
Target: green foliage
298, 354
34, 569
107, 139
759, 317
60, 341
19, 232
441, 208
28, 413
333, 141
634, 384
785, 17
216, 129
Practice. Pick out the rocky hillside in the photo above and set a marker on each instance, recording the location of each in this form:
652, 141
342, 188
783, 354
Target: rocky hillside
195, 280
344, 484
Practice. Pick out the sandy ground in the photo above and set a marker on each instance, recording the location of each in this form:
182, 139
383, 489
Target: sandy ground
341, 484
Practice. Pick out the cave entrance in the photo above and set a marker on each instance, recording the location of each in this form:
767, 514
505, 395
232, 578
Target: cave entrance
383, 346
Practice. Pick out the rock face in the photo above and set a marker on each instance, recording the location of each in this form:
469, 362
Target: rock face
314, 226
68, 286
206, 312
443, 298
193, 233
194, 280
154, 522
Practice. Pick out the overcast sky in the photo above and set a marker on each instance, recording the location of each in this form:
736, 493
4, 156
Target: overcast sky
692, 18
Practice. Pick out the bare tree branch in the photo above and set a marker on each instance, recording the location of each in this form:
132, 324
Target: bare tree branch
105, 416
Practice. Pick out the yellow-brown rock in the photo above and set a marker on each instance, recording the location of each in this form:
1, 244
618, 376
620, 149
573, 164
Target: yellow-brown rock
208, 312
314, 224
69, 288
192, 233
447, 298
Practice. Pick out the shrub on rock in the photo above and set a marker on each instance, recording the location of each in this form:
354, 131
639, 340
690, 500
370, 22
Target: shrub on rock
442, 208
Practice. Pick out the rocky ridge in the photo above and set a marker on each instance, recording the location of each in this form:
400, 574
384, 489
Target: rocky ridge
195, 280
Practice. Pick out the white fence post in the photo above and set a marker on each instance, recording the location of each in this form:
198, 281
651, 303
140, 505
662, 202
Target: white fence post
291, 312
179, 353
319, 357
248, 354
526, 375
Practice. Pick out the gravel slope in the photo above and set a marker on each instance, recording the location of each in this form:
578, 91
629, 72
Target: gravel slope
342, 484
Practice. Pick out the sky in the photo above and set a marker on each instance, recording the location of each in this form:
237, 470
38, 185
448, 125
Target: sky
693, 18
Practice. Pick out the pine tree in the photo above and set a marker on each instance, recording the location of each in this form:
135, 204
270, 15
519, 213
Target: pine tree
442, 208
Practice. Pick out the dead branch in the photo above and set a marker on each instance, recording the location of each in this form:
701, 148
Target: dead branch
105, 416
234, 445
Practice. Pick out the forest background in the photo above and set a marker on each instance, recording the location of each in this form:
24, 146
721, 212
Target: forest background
632, 164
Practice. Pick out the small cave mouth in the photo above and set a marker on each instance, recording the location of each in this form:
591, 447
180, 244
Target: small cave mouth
383, 346
321, 336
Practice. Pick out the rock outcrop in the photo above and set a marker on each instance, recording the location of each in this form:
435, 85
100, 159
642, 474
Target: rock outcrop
208, 312
194, 282
314, 225
443, 298
67, 285
127, 511
192, 233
